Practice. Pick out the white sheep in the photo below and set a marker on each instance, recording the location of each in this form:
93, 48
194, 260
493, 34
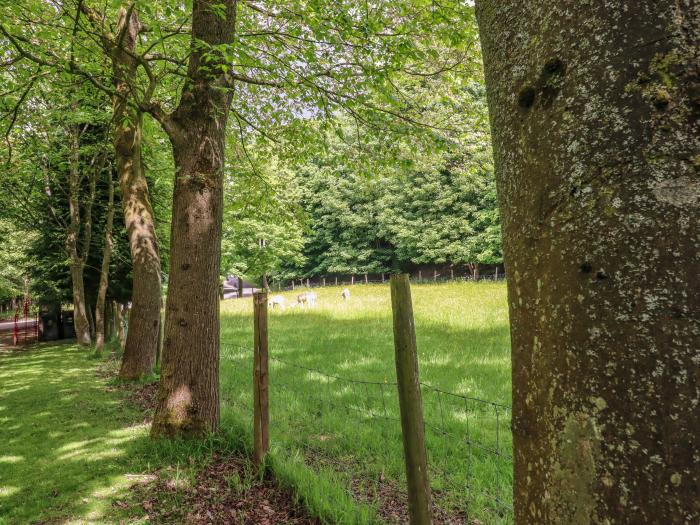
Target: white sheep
345, 294
306, 299
277, 300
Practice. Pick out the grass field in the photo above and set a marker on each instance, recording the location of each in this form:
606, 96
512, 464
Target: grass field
67, 444
334, 412
71, 447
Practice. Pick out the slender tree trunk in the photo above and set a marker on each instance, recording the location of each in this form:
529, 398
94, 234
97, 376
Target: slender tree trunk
77, 263
91, 320
189, 386
119, 322
159, 354
240, 287
144, 326
104, 271
265, 283
594, 110
109, 320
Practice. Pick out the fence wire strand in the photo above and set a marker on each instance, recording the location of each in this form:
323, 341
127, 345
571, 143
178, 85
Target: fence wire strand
464, 438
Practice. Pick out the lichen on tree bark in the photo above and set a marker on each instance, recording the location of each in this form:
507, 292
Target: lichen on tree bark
594, 109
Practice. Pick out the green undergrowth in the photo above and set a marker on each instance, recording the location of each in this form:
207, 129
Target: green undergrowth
318, 492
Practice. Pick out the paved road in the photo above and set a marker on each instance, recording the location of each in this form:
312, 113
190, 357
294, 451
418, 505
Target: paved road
7, 326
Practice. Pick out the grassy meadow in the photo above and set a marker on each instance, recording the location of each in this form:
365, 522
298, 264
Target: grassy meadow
73, 447
335, 429
67, 445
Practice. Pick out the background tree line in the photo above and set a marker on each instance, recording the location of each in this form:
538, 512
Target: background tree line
367, 202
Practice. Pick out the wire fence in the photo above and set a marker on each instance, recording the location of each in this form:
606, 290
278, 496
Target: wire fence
350, 280
350, 429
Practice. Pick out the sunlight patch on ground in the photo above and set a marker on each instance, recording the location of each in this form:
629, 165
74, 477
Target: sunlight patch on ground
8, 490
76, 445
130, 431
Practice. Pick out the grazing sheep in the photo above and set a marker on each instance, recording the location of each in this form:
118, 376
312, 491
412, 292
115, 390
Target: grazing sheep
311, 298
306, 299
276, 300
345, 294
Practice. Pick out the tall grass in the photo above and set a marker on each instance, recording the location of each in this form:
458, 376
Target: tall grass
338, 441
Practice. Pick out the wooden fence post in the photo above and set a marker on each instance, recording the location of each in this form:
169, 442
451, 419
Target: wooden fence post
336, 280
324, 282
261, 414
352, 279
366, 279
410, 402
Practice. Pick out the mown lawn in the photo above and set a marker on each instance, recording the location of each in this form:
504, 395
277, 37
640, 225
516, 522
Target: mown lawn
72, 447
68, 444
334, 410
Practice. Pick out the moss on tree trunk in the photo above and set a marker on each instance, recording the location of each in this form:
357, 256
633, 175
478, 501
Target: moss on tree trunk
144, 321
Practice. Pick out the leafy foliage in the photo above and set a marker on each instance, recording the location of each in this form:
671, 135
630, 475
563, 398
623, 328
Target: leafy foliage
262, 222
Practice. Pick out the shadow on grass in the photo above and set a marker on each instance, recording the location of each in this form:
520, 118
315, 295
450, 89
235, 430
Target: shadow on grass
353, 428
68, 441
69, 445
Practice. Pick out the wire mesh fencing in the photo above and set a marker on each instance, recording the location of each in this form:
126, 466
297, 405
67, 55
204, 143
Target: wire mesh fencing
349, 429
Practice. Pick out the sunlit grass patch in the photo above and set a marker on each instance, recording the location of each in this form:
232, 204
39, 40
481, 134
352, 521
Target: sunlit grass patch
326, 430
71, 446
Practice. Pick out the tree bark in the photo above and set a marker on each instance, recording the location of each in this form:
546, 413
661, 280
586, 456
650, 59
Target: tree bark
188, 399
109, 320
77, 263
144, 326
104, 271
119, 324
594, 111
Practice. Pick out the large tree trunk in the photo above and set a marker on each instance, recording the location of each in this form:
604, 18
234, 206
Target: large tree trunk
77, 263
188, 400
104, 271
594, 109
144, 321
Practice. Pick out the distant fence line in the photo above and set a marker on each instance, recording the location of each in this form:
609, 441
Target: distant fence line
467, 446
418, 276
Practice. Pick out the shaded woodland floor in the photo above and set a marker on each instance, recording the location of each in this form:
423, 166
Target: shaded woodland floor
75, 450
